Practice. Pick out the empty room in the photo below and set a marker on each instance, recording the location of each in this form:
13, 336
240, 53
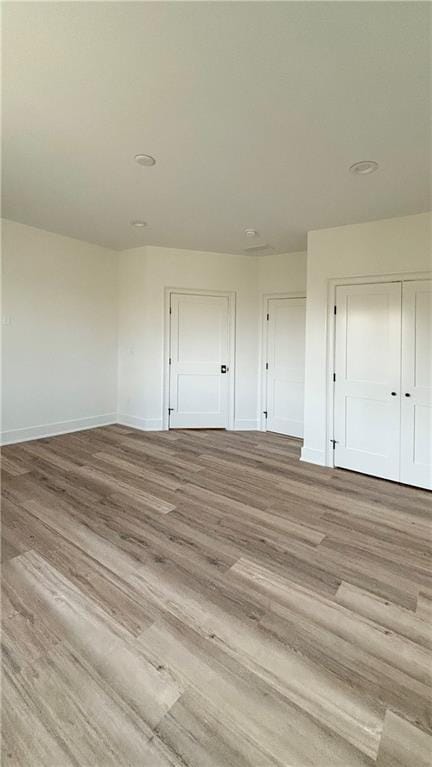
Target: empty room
216, 420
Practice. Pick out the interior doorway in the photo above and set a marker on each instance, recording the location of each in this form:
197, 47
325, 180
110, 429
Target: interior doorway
284, 364
200, 392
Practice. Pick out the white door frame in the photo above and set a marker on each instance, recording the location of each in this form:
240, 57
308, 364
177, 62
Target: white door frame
332, 284
231, 295
262, 378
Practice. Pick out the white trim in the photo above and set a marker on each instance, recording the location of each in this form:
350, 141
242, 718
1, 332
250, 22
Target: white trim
53, 429
246, 424
143, 424
262, 376
332, 284
232, 296
310, 455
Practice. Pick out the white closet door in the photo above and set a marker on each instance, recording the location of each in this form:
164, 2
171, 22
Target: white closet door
198, 351
416, 443
367, 387
286, 365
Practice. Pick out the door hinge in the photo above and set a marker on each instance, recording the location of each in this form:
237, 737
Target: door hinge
266, 365
334, 309
268, 316
334, 443
170, 311
169, 361
170, 410
334, 376
265, 413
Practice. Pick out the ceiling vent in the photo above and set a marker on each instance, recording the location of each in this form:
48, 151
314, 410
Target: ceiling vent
259, 250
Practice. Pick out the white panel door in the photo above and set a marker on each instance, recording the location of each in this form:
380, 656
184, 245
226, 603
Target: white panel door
416, 442
286, 365
368, 374
199, 348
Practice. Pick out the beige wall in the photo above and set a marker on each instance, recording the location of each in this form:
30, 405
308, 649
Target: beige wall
84, 343
59, 343
395, 246
283, 273
85, 324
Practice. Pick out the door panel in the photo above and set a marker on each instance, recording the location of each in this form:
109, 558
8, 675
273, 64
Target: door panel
286, 359
416, 446
367, 335
199, 345
367, 366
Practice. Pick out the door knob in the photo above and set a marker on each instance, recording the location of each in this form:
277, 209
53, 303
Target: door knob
394, 393
224, 369
407, 394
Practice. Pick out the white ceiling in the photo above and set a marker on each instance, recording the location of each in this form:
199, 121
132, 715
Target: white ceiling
254, 112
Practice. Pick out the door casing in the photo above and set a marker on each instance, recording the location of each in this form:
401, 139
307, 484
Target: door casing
231, 296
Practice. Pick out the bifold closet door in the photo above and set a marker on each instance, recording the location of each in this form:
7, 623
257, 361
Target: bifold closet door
368, 374
416, 404
199, 354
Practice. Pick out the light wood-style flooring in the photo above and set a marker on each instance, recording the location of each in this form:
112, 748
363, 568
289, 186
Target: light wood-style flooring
203, 598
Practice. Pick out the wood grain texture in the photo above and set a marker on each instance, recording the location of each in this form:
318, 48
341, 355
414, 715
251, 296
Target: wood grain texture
202, 598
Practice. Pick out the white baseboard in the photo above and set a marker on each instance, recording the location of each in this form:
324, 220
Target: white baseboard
26, 434
144, 424
246, 424
310, 455
156, 424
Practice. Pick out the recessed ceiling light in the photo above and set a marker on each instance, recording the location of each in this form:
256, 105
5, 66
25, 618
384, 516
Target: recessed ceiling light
251, 233
138, 224
364, 167
145, 159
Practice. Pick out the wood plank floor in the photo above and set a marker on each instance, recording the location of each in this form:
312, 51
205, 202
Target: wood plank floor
203, 598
